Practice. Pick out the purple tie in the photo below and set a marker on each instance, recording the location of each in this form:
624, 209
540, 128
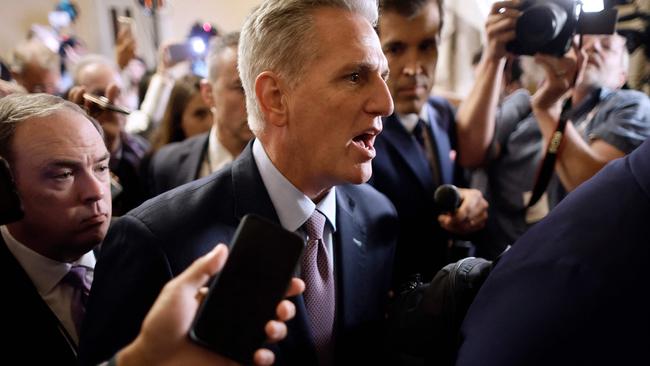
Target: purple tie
319, 291
76, 278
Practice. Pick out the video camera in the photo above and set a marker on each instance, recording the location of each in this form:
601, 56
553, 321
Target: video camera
548, 26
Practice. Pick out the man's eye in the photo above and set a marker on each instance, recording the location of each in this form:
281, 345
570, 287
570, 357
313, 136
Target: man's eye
63, 175
394, 49
355, 77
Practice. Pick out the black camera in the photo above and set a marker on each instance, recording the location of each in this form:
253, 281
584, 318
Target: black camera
548, 26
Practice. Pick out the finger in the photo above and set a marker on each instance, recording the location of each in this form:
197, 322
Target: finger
206, 266
286, 310
498, 5
75, 95
263, 357
296, 287
275, 331
112, 92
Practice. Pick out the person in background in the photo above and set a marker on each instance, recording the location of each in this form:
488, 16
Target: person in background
186, 115
604, 122
35, 67
416, 152
197, 157
314, 79
97, 75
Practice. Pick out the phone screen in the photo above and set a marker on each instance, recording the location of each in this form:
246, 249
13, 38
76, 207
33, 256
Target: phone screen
245, 294
11, 208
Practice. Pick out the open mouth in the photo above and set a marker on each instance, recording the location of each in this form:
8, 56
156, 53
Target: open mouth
365, 140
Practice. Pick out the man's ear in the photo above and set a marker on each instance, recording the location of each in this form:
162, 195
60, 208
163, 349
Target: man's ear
206, 93
271, 99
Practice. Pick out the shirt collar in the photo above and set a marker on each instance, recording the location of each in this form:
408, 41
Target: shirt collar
217, 155
410, 120
44, 272
292, 206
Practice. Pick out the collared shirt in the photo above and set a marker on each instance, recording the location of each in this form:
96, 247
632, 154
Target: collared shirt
410, 120
293, 206
216, 157
46, 275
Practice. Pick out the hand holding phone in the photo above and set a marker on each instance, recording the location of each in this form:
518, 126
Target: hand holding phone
244, 295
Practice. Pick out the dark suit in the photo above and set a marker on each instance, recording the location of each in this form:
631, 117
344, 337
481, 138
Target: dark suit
157, 241
401, 172
573, 290
176, 164
33, 334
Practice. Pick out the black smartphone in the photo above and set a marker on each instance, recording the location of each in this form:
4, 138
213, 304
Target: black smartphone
244, 295
11, 208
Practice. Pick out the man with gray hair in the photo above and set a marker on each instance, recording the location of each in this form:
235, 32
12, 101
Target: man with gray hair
182, 162
35, 67
314, 77
60, 167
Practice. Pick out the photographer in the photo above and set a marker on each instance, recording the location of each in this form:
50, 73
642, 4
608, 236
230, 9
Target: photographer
603, 123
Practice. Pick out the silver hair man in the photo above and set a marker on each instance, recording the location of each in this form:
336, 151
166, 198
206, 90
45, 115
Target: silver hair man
277, 36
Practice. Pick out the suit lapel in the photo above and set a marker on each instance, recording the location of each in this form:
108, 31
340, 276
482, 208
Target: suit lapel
251, 196
406, 147
350, 258
441, 137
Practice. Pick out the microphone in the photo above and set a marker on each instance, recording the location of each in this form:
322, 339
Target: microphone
447, 198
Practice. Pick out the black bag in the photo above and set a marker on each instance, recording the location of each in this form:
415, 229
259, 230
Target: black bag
425, 318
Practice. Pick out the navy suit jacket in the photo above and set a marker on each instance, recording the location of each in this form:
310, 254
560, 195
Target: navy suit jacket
401, 172
573, 290
176, 164
34, 335
158, 240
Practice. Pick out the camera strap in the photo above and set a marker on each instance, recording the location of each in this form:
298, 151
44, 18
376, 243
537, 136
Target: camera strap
546, 169
590, 107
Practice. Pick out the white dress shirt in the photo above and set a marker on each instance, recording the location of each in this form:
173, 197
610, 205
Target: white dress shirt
46, 275
216, 157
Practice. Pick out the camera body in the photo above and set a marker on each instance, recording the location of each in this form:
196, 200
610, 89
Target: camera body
548, 26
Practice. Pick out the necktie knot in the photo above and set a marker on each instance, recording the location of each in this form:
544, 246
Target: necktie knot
314, 226
419, 130
76, 277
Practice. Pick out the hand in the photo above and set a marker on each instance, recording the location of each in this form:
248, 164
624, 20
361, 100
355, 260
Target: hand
561, 76
163, 338
500, 28
470, 216
124, 47
112, 122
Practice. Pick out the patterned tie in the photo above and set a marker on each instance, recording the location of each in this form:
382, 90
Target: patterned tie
76, 278
319, 291
422, 134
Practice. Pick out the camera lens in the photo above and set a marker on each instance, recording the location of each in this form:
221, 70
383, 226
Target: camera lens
540, 24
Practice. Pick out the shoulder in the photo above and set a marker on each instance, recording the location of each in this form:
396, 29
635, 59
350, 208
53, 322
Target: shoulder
176, 148
366, 198
441, 105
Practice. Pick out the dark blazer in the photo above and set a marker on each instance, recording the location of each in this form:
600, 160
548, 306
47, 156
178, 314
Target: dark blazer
573, 290
176, 164
401, 172
158, 240
34, 335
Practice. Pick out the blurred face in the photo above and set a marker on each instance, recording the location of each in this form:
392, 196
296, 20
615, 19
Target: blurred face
61, 171
37, 79
334, 114
196, 118
229, 102
411, 47
604, 61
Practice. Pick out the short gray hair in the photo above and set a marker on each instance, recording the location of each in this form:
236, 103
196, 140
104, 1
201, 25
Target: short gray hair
91, 59
33, 51
278, 36
217, 46
17, 108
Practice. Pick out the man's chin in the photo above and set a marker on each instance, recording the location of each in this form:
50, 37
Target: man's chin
409, 105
